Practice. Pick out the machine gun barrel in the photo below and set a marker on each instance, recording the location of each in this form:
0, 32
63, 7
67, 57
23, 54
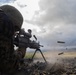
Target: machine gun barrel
41, 46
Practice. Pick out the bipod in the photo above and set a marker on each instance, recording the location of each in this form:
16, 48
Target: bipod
41, 54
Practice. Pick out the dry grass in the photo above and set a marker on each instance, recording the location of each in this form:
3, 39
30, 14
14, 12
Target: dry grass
54, 55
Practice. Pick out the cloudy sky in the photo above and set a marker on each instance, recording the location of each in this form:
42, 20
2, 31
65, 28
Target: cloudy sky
50, 20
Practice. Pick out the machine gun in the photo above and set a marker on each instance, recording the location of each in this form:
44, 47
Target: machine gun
24, 41
36, 45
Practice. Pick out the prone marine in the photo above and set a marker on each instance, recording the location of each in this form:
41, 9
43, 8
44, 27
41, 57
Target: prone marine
10, 22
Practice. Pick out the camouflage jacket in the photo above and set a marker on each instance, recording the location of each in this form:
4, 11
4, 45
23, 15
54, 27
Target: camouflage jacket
7, 57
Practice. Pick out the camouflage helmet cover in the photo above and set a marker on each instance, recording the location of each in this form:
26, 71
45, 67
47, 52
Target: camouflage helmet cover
13, 14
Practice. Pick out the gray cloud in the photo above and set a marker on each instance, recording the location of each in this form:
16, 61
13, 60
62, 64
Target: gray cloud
6, 1
55, 12
58, 16
58, 11
20, 5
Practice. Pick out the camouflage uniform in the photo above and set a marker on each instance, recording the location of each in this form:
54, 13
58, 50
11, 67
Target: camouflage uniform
8, 59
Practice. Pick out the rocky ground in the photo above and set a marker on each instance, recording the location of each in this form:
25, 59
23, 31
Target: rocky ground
64, 67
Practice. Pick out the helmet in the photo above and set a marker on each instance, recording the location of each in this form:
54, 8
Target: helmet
14, 15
